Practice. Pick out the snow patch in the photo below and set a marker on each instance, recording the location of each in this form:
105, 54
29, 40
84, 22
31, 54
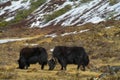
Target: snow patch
75, 32
51, 50
11, 40
3, 1
94, 11
10, 18
15, 5
109, 27
96, 20
28, 44
83, 30
51, 35
65, 34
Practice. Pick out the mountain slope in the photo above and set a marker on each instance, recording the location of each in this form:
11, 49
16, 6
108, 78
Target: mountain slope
81, 13
10, 8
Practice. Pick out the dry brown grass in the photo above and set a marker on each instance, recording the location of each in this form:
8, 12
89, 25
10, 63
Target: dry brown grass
101, 44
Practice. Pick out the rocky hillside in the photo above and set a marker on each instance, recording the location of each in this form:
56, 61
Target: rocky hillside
41, 13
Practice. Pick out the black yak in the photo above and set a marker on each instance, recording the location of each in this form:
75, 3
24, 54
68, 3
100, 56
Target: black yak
31, 56
68, 55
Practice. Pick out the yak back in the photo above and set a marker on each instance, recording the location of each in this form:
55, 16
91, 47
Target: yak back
66, 51
63, 51
28, 52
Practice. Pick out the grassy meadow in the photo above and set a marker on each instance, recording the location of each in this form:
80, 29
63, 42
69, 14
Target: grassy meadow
101, 41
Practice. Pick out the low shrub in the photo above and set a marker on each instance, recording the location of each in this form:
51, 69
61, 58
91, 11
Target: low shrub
85, 1
57, 13
3, 23
112, 2
22, 14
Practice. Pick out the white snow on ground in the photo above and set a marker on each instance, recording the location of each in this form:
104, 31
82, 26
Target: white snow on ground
94, 11
28, 44
96, 20
51, 50
2, 12
11, 40
68, 33
3, 1
51, 35
10, 18
83, 30
109, 27
75, 32
71, 15
37, 23
41, 13
15, 5
65, 34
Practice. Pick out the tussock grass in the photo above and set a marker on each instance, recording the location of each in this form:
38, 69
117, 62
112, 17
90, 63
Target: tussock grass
101, 43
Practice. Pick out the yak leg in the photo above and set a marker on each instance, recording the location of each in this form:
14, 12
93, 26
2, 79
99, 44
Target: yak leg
63, 67
42, 65
63, 64
78, 67
26, 67
79, 64
26, 64
83, 67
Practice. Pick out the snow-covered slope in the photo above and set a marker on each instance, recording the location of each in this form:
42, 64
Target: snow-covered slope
93, 11
80, 13
8, 8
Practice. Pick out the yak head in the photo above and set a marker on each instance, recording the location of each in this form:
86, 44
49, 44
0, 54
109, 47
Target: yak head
52, 64
21, 63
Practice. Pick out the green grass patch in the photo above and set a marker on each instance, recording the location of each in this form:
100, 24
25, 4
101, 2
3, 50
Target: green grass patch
22, 14
85, 1
3, 23
57, 13
112, 2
